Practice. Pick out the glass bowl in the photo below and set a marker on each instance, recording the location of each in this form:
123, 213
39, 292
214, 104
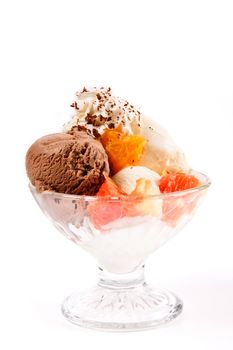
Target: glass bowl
120, 233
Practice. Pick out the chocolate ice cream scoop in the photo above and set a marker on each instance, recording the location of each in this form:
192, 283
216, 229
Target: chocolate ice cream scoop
65, 163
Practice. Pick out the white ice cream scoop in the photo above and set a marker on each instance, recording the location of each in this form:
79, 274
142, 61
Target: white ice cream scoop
161, 152
127, 178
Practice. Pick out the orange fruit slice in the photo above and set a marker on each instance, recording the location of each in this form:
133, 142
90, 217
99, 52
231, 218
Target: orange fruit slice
123, 150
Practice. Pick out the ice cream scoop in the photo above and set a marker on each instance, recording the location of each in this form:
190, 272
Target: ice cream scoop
141, 181
67, 164
127, 178
161, 152
98, 109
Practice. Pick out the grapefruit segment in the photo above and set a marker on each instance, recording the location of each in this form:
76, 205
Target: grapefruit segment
175, 207
177, 182
104, 209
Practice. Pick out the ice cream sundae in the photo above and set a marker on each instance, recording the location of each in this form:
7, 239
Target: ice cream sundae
117, 184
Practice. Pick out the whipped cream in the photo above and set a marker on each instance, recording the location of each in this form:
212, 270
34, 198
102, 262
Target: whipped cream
97, 109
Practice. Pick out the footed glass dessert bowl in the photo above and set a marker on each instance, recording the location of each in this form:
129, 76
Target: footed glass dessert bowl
122, 300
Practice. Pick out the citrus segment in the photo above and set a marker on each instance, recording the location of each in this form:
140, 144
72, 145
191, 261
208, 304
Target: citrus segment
123, 150
104, 209
177, 182
175, 207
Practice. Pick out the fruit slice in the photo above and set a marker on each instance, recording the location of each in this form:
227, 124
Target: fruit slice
175, 207
109, 188
177, 182
104, 210
123, 150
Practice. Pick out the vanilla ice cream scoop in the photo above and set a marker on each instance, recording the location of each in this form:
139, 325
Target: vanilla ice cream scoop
127, 178
161, 152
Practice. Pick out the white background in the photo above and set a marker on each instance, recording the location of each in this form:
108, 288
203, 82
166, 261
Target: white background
174, 59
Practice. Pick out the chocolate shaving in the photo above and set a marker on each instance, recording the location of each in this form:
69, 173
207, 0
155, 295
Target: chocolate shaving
95, 132
74, 105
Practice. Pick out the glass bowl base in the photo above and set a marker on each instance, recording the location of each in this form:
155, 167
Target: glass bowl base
122, 309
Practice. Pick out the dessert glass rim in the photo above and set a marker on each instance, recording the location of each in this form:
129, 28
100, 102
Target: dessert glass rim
206, 182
